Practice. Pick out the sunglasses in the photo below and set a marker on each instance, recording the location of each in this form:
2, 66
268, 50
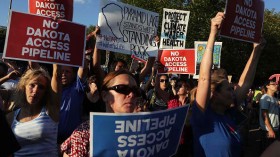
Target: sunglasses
126, 90
164, 80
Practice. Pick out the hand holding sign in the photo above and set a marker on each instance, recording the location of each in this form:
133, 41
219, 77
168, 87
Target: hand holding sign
261, 45
51, 8
216, 22
94, 33
244, 20
44, 39
127, 29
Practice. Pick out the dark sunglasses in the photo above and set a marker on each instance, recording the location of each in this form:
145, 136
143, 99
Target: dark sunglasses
125, 89
164, 80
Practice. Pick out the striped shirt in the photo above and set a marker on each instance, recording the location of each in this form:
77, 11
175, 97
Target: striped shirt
37, 137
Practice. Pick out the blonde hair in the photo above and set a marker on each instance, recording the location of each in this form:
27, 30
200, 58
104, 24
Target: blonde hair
19, 97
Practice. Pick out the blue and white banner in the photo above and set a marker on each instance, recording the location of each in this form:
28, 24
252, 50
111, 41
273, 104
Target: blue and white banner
145, 134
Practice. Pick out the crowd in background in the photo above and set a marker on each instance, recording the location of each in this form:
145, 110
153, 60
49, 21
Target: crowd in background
48, 115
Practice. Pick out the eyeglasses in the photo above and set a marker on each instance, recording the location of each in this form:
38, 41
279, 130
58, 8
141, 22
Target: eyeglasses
274, 84
164, 80
125, 89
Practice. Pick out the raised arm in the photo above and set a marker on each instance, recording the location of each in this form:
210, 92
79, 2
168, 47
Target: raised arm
147, 68
203, 89
12, 75
83, 71
247, 77
151, 78
56, 93
96, 61
33, 65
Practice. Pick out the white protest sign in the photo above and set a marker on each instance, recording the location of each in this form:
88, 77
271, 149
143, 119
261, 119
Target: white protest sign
174, 29
127, 29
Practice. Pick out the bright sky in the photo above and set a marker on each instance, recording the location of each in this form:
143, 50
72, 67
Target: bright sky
85, 11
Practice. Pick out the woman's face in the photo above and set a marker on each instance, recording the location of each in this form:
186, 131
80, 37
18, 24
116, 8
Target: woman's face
183, 90
163, 81
67, 75
272, 86
121, 96
35, 90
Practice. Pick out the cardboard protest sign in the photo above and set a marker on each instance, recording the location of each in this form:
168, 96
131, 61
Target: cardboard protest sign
244, 20
200, 47
41, 39
177, 61
174, 29
150, 134
127, 29
59, 8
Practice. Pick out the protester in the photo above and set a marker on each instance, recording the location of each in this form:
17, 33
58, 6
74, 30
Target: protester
35, 123
269, 114
161, 95
120, 94
118, 63
150, 83
183, 89
73, 93
92, 101
172, 83
9, 75
214, 133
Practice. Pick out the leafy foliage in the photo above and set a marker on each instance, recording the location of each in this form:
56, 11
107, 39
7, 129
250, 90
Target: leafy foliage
234, 53
2, 39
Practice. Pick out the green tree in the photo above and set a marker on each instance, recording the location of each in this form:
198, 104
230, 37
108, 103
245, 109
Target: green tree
2, 39
269, 62
234, 53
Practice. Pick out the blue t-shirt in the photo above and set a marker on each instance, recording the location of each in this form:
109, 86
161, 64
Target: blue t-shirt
215, 135
70, 116
270, 104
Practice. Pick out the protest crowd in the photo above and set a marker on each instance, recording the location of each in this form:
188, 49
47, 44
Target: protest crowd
51, 99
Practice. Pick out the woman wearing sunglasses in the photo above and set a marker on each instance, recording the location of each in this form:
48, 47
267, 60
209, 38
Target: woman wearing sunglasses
120, 94
161, 96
